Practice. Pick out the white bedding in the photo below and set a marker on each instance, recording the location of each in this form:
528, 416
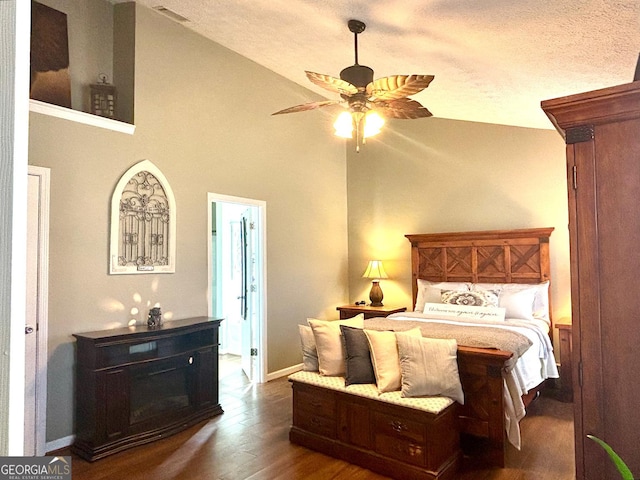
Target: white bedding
535, 365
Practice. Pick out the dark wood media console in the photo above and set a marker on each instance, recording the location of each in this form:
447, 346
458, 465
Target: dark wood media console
138, 384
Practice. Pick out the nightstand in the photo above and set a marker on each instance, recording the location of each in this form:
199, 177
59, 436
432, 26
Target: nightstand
566, 368
348, 311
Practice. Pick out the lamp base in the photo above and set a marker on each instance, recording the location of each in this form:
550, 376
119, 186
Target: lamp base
375, 295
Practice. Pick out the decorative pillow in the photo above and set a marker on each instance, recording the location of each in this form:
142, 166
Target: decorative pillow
309, 352
429, 367
482, 298
430, 292
384, 356
358, 366
515, 305
462, 312
331, 356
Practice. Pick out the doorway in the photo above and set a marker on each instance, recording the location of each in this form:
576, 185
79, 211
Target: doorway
237, 282
35, 398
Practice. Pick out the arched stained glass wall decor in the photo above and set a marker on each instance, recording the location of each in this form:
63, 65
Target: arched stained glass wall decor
143, 222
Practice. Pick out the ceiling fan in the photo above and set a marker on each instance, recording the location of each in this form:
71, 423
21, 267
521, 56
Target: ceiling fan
367, 102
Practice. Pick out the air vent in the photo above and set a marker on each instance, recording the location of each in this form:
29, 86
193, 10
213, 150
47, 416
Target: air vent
171, 14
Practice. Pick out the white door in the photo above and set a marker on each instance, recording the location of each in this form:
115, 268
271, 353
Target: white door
249, 293
36, 312
246, 302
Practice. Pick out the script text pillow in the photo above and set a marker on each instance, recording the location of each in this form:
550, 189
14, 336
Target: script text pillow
331, 356
384, 356
429, 367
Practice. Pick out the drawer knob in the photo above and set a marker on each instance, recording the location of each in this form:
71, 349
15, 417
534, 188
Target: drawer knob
398, 426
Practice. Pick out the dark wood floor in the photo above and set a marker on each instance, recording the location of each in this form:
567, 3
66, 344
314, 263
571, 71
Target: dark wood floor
250, 441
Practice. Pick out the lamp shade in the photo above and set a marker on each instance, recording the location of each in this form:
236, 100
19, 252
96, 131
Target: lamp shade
375, 270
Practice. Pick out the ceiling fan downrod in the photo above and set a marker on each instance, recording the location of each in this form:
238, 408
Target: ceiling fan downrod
356, 26
356, 74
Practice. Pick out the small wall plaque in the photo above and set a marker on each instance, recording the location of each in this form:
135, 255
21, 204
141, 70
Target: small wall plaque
103, 98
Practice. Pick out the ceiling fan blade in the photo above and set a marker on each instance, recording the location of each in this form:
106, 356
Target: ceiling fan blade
398, 86
403, 108
332, 84
307, 106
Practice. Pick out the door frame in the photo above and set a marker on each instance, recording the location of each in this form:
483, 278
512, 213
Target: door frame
42, 308
15, 17
212, 198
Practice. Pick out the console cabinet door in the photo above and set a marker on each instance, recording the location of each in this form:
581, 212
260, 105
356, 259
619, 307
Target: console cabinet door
206, 388
116, 403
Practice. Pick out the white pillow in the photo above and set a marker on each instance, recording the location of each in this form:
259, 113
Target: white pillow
517, 306
331, 354
309, 352
384, 356
429, 367
431, 292
479, 298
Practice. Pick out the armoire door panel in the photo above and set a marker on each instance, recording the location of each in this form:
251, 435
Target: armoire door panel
584, 230
618, 196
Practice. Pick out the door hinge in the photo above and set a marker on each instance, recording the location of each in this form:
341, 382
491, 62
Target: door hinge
575, 177
254, 352
580, 373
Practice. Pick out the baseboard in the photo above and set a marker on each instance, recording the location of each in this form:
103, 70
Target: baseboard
60, 443
284, 372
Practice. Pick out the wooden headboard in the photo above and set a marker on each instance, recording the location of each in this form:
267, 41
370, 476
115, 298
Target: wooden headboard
495, 256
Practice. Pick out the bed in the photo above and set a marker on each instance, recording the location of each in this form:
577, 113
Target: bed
497, 388
500, 362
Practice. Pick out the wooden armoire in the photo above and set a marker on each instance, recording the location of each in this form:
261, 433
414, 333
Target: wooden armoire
602, 133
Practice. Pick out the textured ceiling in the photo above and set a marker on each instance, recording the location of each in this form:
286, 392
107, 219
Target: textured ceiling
493, 60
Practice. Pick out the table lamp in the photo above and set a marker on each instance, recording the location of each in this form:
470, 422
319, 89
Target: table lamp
376, 272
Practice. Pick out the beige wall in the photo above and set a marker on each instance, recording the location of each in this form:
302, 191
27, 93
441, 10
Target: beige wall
438, 175
203, 117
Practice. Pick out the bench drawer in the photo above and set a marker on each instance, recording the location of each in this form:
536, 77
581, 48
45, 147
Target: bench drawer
315, 410
399, 438
314, 423
320, 401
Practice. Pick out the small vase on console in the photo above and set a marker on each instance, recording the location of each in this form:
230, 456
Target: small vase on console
155, 317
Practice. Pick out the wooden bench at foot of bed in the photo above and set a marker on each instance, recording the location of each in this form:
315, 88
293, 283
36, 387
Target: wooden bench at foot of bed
390, 435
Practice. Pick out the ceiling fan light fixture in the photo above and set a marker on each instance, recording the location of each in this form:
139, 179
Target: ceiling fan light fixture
367, 101
373, 123
344, 125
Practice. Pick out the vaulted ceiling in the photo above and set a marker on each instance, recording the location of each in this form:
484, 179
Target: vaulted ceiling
493, 60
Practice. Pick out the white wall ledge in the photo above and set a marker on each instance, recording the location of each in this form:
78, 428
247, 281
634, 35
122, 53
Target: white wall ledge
80, 117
